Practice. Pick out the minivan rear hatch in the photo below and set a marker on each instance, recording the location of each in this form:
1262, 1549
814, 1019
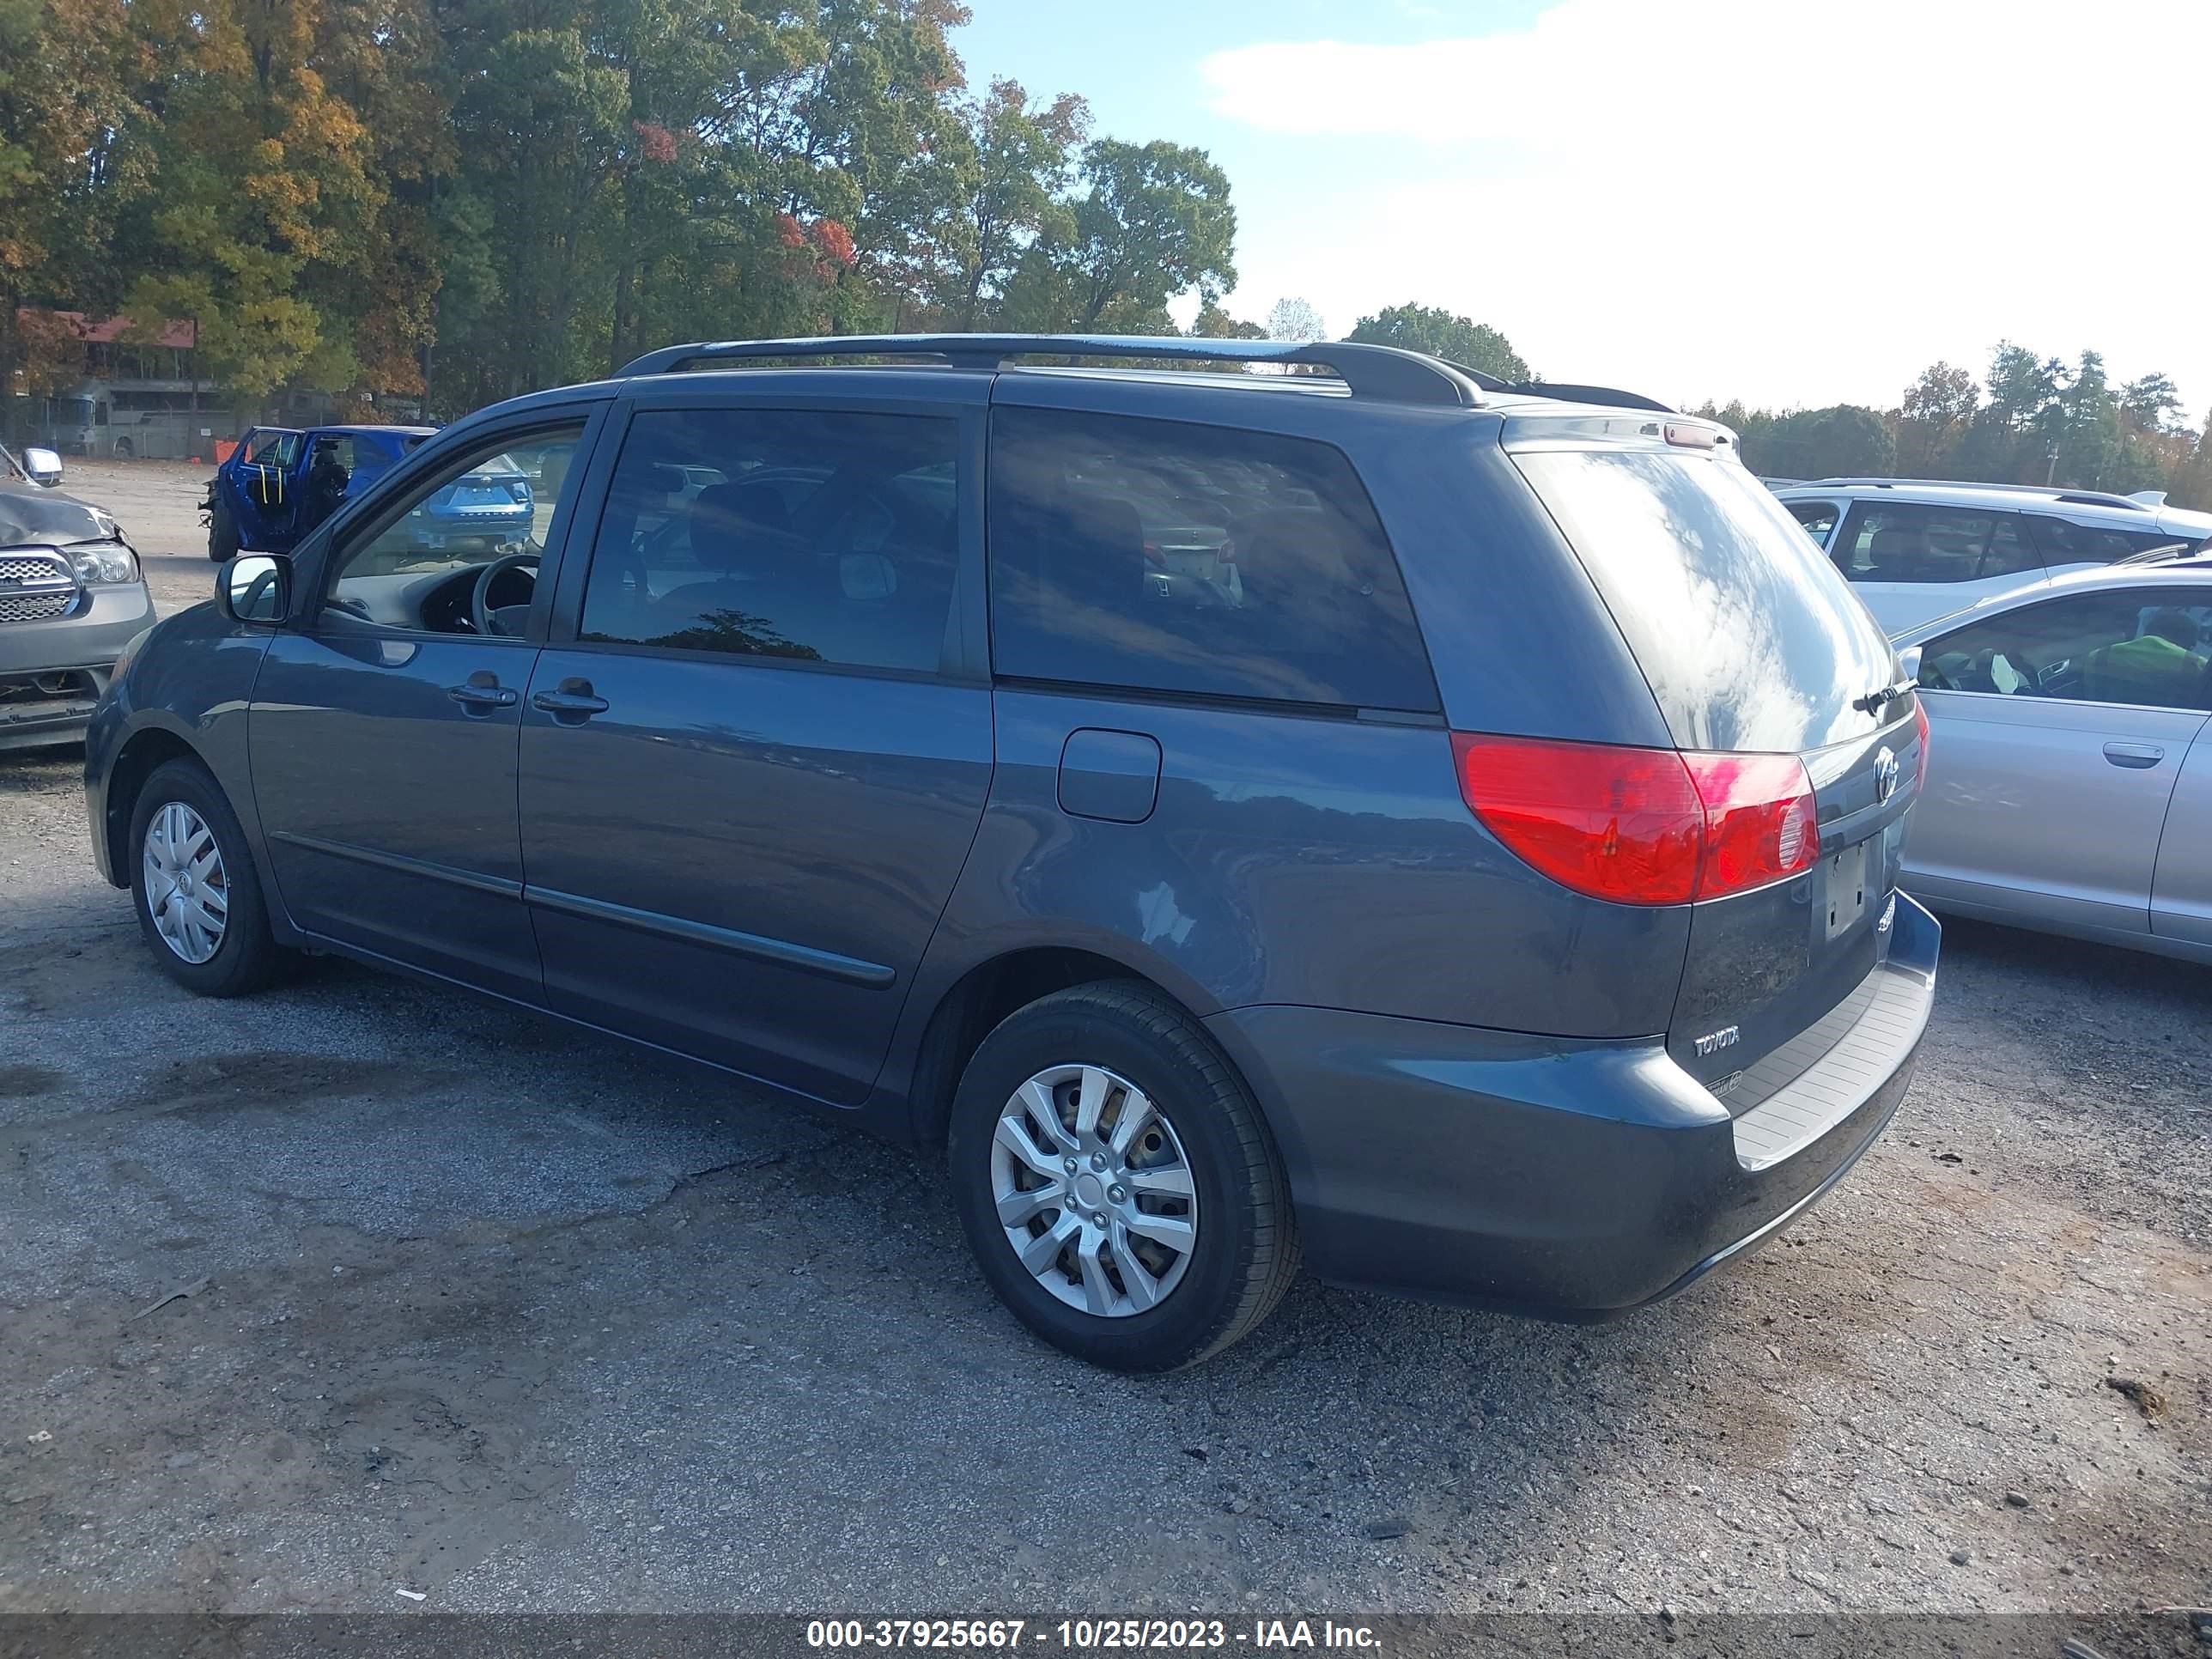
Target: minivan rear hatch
1752, 644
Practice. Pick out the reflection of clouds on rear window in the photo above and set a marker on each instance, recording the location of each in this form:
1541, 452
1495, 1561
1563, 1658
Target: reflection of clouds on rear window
1748, 639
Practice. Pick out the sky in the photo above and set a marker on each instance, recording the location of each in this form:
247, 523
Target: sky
1792, 202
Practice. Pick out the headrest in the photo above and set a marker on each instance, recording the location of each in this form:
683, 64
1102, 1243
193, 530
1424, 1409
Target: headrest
731, 524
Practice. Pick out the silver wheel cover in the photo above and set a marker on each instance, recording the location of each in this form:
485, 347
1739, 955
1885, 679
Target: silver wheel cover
187, 890
1094, 1190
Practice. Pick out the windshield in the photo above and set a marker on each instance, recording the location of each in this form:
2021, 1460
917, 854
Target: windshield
1748, 637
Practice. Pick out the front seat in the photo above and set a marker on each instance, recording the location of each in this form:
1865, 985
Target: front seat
1897, 555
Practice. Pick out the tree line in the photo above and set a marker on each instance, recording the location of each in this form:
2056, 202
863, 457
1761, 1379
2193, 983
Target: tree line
2030, 419
454, 201
438, 203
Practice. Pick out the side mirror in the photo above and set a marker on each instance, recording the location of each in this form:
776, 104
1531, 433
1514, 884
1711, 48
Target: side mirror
1908, 661
255, 587
44, 466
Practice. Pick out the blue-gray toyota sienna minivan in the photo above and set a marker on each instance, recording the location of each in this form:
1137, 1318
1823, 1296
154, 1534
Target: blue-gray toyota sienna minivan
1441, 831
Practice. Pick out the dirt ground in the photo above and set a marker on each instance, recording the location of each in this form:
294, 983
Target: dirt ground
359, 1288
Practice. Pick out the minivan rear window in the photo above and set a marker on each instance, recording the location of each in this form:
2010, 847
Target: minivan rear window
1748, 637
1160, 555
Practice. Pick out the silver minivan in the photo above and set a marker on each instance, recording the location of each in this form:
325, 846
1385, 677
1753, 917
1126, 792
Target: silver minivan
1915, 548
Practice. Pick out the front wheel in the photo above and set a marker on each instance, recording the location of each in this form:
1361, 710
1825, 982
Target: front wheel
198, 901
1116, 1182
222, 533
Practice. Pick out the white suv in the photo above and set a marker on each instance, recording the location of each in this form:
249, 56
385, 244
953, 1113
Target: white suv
1917, 548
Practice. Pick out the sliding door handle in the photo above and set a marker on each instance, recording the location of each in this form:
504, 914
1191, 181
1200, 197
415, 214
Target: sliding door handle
572, 697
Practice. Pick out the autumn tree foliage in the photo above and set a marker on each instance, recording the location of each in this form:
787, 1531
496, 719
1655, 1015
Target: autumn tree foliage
2029, 419
451, 201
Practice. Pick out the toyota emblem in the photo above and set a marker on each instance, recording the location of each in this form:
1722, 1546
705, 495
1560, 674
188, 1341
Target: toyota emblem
1884, 774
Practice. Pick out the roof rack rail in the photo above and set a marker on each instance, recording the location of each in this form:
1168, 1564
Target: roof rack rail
1371, 371
2048, 492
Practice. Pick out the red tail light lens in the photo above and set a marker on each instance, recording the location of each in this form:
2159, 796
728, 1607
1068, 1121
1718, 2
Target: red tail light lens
1920, 726
1761, 823
1641, 826
1623, 824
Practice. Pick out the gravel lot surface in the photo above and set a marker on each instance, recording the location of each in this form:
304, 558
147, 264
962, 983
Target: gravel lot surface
482, 1309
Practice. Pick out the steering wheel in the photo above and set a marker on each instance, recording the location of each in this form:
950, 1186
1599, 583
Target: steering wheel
494, 619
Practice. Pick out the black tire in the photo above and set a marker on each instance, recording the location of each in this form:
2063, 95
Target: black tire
1245, 1252
223, 534
247, 957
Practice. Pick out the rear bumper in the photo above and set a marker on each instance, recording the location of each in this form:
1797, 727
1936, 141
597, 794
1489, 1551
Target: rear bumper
1574, 1179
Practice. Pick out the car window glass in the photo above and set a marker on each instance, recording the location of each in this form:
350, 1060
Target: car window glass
483, 504
809, 536
1169, 557
1745, 636
1908, 542
2064, 542
2140, 648
1819, 518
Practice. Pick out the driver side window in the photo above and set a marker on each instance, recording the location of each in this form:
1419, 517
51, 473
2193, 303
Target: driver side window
2145, 647
419, 569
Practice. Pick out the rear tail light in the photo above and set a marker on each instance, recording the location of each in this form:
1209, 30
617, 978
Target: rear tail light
1641, 826
1227, 551
1920, 726
1761, 823
1153, 554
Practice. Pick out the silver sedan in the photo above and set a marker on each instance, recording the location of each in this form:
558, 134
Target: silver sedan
2069, 784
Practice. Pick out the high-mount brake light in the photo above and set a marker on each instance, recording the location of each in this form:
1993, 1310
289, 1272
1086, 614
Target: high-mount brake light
1693, 437
1641, 826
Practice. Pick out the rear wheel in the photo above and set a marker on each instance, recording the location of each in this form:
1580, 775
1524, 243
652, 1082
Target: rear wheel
123, 451
1115, 1181
193, 884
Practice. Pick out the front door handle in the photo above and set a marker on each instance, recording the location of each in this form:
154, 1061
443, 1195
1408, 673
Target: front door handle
2137, 755
571, 696
481, 689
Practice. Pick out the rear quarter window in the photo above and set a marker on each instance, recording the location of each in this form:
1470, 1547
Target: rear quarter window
1164, 557
1747, 637
2065, 542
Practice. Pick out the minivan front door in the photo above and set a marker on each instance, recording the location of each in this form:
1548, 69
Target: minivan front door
752, 774
384, 734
